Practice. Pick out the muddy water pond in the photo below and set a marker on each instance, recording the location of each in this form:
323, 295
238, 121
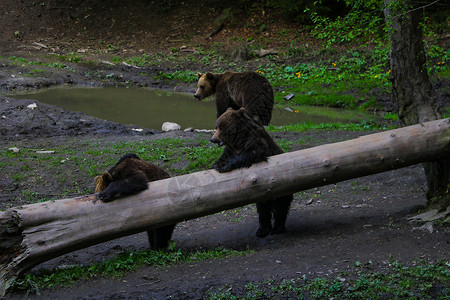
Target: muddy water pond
151, 108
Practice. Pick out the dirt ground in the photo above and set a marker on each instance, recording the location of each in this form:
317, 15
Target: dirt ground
329, 228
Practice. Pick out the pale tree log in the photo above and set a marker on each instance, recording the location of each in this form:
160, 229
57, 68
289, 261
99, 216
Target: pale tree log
34, 233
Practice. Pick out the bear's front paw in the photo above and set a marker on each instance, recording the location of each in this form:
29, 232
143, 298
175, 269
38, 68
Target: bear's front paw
262, 232
221, 169
104, 197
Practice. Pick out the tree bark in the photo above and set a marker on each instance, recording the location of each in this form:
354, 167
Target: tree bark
34, 233
411, 87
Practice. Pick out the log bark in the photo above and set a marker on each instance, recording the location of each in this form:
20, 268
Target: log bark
34, 233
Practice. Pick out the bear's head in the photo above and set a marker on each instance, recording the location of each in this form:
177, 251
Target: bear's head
235, 129
102, 182
206, 85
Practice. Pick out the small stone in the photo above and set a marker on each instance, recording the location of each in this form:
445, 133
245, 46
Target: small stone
32, 106
14, 149
169, 126
204, 130
426, 227
289, 96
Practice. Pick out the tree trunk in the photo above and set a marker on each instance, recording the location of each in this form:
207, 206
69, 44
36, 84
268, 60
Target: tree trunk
31, 234
411, 87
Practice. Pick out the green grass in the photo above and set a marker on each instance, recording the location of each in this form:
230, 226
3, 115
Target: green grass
391, 116
24, 61
75, 167
420, 281
181, 76
201, 158
342, 80
446, 113
344, 83
117, 266
344, 115
363, 126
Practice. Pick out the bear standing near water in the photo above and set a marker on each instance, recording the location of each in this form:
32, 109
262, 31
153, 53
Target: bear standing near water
130, 175
245, 89
246, 143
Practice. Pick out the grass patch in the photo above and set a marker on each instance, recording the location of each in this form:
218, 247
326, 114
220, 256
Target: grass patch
421, 281
201, 158
330, 113
182, 76
362, 126
75, 167
118, 266
446, 114
391, 116
75, 163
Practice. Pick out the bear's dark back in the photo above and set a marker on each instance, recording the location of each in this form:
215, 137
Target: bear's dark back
249, 90
274, 149
126, 167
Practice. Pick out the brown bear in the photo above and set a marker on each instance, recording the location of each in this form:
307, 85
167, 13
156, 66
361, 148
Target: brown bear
246, 143
245, 89
130, 175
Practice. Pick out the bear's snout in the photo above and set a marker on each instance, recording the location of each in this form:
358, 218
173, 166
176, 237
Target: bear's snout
197, 96
216, 141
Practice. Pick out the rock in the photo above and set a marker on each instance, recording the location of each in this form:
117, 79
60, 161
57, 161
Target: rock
289, 96
426, 227
14, 149
189, 129
45, 152
205, 130
32, 106
264, 52
169, 126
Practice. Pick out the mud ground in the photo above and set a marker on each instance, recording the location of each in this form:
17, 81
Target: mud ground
329, 228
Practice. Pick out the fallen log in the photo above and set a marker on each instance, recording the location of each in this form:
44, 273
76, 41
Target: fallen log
34, 233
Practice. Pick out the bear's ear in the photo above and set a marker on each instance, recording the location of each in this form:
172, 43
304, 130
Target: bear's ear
199, 75
97, 179
211, 77
100, 184
107, 178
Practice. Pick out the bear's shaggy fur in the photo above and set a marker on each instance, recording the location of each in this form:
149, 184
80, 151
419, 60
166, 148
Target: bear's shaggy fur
246, 142
245, 89
130, 175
